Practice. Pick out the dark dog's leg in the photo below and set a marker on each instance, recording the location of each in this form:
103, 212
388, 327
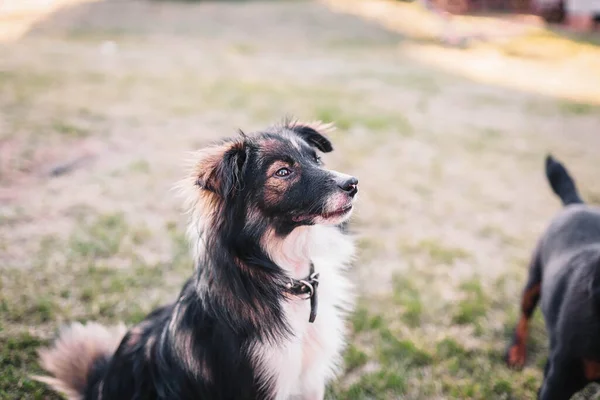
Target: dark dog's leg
564, 378
546, 369
516, 352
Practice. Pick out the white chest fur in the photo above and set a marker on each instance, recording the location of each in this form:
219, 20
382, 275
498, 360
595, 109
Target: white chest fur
300, 367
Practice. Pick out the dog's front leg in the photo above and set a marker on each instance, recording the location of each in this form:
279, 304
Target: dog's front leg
516, 352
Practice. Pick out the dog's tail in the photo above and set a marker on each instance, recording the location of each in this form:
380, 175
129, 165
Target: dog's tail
561, 182
78, 357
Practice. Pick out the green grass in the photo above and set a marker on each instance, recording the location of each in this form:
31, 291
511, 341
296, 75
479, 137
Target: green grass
354, 358
449, 348
100, 238
30, 310
472, 308
347, 119
379, 384
140, 166
362, 320
436, 251
25, 86
394, 352
408, 297
576, 108
18, 355
78, 278
400, 365
69, 129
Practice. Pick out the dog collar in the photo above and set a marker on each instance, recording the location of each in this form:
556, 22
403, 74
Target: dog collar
307, 289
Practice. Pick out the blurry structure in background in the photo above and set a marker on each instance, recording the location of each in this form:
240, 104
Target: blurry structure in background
452, 33
582, 15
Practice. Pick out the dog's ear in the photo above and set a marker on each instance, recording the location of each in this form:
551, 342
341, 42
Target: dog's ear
219, 169
314, 134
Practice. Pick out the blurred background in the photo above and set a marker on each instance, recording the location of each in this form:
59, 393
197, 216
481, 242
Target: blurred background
445, 111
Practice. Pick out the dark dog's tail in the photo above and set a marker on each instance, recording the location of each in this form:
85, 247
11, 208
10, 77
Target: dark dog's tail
561, 182
74, 358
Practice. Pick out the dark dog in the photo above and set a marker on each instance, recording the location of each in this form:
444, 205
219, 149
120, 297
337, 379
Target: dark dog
265, 222
565, 272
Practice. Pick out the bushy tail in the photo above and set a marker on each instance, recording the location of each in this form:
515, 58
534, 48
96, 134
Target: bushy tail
561, 182
74, 355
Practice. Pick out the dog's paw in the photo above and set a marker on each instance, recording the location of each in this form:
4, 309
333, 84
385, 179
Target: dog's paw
516, 356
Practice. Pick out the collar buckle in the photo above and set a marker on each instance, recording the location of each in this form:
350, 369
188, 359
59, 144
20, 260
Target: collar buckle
307, 289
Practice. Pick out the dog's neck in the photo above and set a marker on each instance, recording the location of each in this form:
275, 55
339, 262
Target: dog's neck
244, 276
244, 281
291, 252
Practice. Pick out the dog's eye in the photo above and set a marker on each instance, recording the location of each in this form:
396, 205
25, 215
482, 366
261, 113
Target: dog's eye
318, 160
283, 172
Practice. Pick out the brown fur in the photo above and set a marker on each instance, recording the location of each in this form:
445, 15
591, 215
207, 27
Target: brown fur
529, 298
201, 205
70, 358
591, 370
517, 353
207, 164
275, 188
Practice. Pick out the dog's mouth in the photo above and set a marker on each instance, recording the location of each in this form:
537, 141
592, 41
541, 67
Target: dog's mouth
338, 213
325, 215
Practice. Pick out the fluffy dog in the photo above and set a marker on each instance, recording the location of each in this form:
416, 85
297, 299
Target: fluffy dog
263, 315
565, 272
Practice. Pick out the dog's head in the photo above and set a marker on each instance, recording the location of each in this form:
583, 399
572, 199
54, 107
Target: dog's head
277, 176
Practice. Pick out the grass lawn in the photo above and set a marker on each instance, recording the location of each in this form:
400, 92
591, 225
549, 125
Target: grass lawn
99, 103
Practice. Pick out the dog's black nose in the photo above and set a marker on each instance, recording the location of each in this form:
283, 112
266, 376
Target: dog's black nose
349, 186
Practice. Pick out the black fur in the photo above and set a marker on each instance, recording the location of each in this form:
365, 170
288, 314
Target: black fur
199, 347
313, 137
565, 274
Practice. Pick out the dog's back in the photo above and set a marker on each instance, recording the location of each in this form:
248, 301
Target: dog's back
574, 228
